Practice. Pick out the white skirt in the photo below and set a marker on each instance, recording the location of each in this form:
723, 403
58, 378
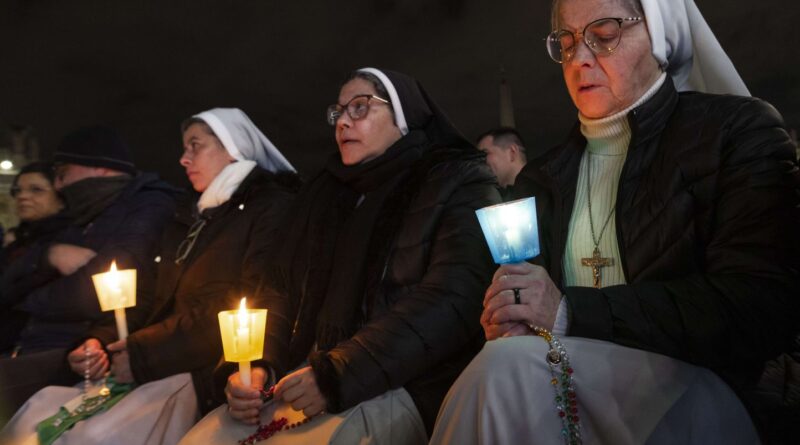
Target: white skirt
159, 412
625, 396
391, 418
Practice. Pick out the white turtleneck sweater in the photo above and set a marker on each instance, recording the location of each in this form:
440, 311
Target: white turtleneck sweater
607, 141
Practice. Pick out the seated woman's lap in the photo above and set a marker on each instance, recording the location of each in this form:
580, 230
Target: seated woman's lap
390, 418
158, 412
624, 396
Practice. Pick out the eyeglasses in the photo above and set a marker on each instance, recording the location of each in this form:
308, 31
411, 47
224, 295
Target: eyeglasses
34, 190
601, 36
357, 108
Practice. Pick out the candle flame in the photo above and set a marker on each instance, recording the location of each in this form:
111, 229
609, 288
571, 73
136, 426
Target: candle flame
113, 278
242, 315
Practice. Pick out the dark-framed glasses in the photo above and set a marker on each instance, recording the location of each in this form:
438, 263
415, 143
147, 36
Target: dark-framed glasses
601, 36
357, 108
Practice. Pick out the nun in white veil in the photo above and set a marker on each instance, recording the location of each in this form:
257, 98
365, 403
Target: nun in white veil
245, 185
657, 266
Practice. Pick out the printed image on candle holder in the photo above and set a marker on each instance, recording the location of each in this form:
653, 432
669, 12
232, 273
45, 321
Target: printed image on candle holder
116, 290
242, 333
511, 230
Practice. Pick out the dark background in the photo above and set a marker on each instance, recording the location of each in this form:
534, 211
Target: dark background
145, 66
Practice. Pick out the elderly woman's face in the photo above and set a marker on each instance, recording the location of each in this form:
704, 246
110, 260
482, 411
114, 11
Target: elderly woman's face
203, 156
35, 198
603, 85
369, 137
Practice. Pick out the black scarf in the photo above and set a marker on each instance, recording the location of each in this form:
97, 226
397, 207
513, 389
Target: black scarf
88, 198
337, 215
337, 247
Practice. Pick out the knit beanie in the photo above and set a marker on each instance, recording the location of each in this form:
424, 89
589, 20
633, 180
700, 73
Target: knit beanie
96, 146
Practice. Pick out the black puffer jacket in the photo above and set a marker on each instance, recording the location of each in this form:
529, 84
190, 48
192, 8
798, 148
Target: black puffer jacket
20, 272
424, 327
182, 334
707, 223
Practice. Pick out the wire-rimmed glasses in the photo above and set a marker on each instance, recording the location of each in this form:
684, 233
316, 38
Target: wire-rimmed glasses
357, 108
601, 36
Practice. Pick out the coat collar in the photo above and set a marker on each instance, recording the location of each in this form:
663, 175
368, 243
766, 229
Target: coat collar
559, 167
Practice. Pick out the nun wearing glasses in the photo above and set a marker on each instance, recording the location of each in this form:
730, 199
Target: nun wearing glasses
246, 186
669, 266
376, 311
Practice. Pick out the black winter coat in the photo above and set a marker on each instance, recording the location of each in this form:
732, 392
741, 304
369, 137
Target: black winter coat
707, 223
182, 333
20, 273
128, 231
424, 326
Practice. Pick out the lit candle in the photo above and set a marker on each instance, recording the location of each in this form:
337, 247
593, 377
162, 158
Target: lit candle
116, 290
243, 340
511, 230
243, 336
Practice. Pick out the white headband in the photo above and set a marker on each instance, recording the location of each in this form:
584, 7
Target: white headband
243, 140
399, 116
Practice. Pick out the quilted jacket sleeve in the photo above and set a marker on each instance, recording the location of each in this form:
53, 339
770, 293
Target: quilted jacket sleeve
437, 319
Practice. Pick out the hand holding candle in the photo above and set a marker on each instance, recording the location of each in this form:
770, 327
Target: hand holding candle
243, 336
116, 290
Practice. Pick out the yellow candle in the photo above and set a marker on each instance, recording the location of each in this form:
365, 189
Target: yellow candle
116, 290
243, 327
243, 336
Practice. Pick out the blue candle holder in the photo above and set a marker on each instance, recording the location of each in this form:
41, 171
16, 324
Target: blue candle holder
511, 230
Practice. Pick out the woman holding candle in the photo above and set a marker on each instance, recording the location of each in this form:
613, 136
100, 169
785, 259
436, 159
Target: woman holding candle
245, 187
375, 309
669, 243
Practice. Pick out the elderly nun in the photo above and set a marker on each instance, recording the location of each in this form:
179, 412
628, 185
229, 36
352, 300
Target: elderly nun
669, 265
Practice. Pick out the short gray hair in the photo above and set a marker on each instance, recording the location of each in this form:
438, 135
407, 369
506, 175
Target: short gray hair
634, 5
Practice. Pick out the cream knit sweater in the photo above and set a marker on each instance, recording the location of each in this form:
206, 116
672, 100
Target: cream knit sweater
606, 150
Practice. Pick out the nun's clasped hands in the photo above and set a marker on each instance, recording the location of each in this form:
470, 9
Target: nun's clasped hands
521, 296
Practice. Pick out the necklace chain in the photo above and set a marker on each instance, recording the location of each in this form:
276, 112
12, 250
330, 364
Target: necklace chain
595, 239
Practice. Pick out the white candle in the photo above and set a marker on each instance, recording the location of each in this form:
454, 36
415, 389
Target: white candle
242, 334
122, 323
116, 290
119, 301
242, 341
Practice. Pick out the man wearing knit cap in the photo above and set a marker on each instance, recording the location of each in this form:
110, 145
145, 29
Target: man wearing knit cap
117, 214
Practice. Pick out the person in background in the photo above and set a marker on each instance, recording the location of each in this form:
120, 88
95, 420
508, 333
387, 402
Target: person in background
374, 301
37, 205
670, 254
505, 154
116, 214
